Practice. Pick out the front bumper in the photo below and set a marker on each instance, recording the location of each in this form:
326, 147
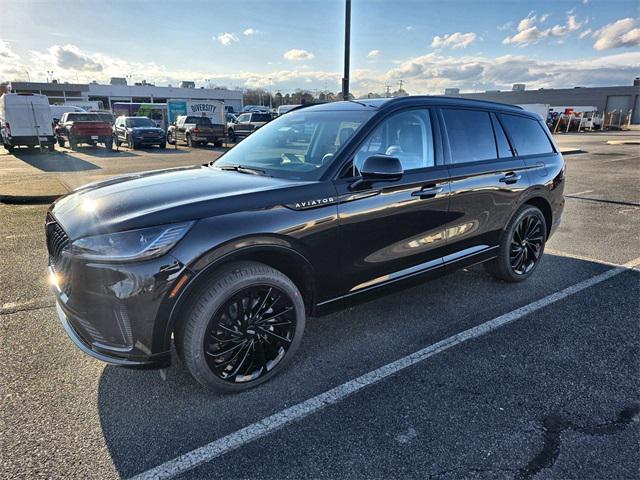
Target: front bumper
108, 355
118, 313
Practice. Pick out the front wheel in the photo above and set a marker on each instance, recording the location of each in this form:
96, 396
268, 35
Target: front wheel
242, 328
521, 246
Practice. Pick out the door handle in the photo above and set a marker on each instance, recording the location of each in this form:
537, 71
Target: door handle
427, 192
510, 178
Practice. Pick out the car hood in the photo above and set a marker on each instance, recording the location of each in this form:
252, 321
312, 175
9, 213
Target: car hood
163, 196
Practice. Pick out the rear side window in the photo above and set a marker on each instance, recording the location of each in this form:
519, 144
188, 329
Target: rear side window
504, 149
527, 134
470, 135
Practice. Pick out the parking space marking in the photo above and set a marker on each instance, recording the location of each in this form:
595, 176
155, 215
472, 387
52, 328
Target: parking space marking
36, 303
580, 193
575, 256
268, 425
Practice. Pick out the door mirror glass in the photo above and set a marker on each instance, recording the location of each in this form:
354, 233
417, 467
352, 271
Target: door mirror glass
381, 167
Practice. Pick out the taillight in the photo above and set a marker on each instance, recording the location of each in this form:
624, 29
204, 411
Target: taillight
196, 130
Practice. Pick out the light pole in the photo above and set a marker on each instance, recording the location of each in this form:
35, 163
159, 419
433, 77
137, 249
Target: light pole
347, 45
270, 90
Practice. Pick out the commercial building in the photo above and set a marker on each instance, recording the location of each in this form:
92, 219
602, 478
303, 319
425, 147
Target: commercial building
608, 100
119, 91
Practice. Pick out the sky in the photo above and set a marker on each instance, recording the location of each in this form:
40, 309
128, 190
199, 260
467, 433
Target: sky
286, 44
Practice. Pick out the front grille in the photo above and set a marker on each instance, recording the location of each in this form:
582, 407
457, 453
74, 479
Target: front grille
57, 243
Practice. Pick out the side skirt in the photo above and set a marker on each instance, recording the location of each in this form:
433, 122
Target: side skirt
406, 278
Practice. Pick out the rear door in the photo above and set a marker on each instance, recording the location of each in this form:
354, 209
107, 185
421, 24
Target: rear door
487, 180
242, 127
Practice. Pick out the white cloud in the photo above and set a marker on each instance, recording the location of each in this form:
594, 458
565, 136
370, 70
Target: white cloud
543, 18
6, 52
409, 28
586, 33
529, 33
250, 31
454, 40
622, 33
298, 54
373, 54
227, 38
505, 26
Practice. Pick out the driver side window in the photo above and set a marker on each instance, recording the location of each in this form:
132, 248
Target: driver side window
407, 136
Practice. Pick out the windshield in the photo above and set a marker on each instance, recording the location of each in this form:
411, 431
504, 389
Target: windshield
140, 122
298, 146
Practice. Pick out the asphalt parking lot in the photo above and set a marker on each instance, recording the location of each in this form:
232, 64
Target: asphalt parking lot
553, 393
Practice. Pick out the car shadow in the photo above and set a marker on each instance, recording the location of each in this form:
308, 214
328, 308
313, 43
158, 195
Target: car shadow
149, 416
55, 162
98, 152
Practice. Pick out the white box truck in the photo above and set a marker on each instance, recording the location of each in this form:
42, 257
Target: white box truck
212, 109
25, 120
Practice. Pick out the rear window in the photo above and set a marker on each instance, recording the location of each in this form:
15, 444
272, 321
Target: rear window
199, 121
260, 117
470, 135
83, 117
527, 134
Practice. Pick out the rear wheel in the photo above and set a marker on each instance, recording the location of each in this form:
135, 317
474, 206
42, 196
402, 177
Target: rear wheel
73, 143
232, 136
108, 144
217, 143
521, 246
189, 141
243, 327
61, 142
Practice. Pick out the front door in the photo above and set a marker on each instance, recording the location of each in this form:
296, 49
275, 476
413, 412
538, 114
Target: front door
393, 230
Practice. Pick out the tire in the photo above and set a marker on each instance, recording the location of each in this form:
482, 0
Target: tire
8, 148
189, 141
116, 142
163, 145
217, 143
170, 139
51, 147
521, 246
61, 142
108, 144
131, 143
250, 359
232, 136
73, 144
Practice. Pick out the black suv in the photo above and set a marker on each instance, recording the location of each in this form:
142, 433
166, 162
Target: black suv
229, 258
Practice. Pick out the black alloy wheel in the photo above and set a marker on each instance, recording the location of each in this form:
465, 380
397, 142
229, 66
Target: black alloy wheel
242, 326
521, 246
526, 244
250, 334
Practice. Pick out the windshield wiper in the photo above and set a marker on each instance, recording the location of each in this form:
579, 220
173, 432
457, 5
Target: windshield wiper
243, 169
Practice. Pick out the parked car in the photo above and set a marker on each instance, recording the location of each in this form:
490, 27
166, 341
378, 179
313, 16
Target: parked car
282, 109
137, 132
246, 124
229, 258
196, 131
25, 120
84, 127
58, 110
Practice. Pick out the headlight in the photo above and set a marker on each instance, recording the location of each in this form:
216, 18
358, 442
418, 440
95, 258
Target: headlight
132, 245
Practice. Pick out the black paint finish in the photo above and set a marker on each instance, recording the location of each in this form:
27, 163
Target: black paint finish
338, 239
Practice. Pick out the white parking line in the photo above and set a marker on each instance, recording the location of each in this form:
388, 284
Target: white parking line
297, 412
578, 193
13, 307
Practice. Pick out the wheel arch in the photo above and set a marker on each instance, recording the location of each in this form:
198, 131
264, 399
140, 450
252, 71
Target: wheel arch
544, 206
286, 259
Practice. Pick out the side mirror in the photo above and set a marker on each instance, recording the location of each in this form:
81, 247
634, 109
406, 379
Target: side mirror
381, 168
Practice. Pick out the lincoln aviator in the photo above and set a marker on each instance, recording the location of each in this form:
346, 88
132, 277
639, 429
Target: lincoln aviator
320, 208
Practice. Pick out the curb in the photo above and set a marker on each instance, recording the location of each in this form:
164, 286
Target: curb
28, 199
623, 142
